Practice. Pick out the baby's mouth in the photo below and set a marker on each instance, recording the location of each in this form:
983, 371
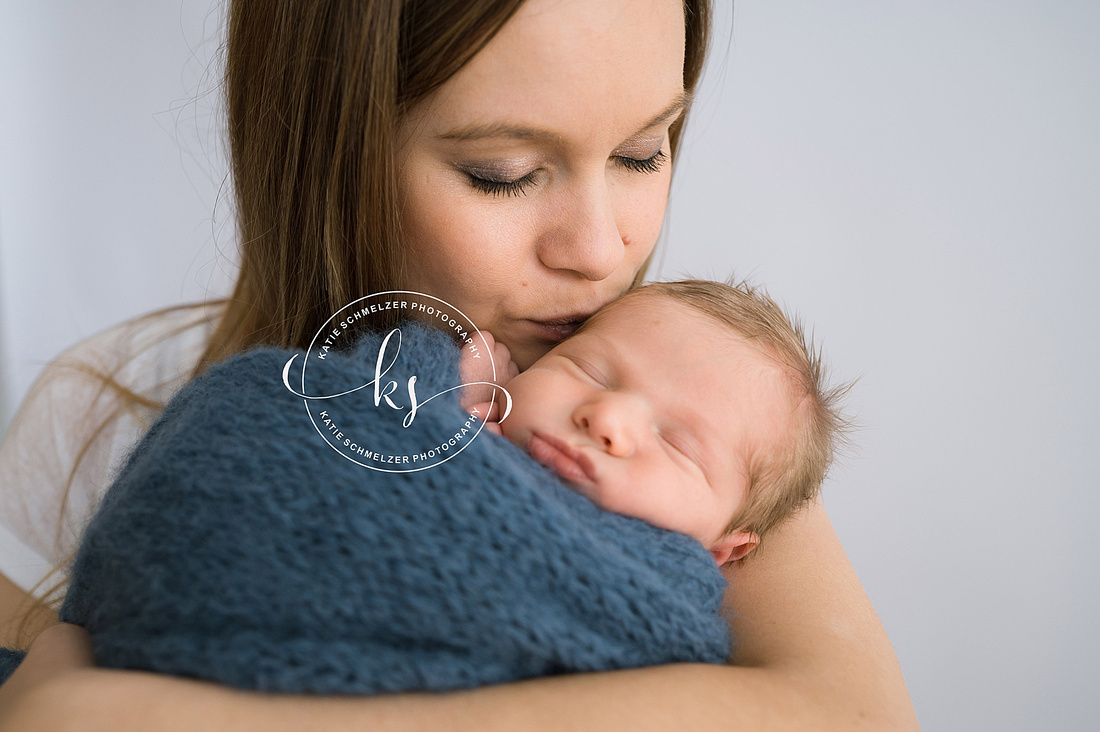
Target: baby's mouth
569, 464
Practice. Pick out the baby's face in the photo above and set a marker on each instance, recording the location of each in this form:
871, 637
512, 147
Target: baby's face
656, 411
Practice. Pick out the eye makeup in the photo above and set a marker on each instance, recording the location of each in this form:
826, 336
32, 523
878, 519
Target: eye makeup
501, 181
491, 187
651, 164
510, 178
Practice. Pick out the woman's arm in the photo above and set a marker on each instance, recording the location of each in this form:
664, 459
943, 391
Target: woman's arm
813, 654
803, 619
14, 604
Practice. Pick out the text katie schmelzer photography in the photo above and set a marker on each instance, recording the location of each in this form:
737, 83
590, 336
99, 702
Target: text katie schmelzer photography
392, 393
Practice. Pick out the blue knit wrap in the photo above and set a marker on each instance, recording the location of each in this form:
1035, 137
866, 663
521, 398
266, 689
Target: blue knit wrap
237, 546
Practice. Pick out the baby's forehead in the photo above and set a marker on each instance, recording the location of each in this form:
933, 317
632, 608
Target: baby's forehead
674, 314
687, 337
638, 304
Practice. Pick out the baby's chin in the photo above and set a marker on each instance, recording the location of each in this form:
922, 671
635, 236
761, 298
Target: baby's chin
512, 432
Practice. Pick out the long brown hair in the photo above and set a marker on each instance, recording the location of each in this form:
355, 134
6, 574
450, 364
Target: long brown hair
314, 92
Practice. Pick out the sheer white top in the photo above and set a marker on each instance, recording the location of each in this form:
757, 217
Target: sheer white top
41, 514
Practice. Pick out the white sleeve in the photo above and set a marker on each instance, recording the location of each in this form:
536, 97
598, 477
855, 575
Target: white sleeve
72, 418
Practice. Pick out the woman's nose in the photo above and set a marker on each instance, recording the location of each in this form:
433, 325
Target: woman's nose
583, 235
616, 422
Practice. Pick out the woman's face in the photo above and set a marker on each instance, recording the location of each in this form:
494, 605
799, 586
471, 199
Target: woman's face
534, 181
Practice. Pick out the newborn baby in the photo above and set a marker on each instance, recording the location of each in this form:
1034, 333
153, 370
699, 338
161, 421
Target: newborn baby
694, 406
235, 547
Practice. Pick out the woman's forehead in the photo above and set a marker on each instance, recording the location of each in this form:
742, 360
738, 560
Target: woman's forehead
561, 66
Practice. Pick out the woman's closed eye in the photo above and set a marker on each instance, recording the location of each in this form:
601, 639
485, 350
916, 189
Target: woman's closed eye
493, 186
652, 164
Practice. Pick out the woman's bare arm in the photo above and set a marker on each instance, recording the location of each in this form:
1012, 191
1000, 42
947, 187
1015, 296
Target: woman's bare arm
813, 655
803, 617
14, 604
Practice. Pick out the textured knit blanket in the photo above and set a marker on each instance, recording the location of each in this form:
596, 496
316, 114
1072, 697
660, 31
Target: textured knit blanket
237, 546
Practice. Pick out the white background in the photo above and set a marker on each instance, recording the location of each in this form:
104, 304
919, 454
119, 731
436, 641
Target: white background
920, 180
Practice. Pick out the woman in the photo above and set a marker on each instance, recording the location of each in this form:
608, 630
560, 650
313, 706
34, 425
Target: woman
514, 159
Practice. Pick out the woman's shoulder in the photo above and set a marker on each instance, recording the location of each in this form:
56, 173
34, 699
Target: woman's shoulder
83, 414
146, 353
138, 363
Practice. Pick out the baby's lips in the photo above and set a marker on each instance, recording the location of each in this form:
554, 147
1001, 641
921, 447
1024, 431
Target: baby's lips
564, 460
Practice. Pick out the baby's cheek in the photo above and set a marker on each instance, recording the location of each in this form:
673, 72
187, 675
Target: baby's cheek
511, 428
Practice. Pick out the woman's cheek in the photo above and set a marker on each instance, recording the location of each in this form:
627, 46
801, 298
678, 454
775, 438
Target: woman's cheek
496, 235
642, 211
427, 199
463, 231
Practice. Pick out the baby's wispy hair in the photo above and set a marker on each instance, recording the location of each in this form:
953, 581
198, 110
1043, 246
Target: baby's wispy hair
778, 487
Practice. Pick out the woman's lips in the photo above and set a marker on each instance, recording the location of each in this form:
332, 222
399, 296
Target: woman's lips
558, 329
568, 463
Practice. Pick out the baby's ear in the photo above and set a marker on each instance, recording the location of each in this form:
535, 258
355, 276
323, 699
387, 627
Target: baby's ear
733, 546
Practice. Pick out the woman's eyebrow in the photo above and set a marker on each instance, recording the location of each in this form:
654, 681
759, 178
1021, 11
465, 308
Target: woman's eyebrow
677, 105
514, 132
521, 132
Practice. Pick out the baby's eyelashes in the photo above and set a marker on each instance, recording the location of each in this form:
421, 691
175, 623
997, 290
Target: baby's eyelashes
679, 446
589, 372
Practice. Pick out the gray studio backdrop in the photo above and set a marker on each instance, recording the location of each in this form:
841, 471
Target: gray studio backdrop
920, 181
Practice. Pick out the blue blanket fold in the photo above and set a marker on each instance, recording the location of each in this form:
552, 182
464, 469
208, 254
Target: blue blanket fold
237, 546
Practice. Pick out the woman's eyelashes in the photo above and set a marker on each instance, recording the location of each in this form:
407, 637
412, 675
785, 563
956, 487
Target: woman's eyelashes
519, 186
652, 164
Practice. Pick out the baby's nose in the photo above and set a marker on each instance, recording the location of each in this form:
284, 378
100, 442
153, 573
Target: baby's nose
613, 422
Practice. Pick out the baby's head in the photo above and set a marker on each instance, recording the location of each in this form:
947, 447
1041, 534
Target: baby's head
696, 406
